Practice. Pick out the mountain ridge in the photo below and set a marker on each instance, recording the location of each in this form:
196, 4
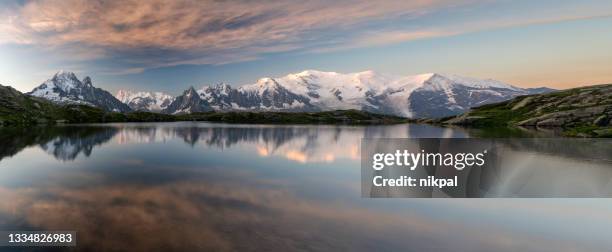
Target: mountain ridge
430, 95
65, 88
145, 101
21, 109
188, 102
406, 96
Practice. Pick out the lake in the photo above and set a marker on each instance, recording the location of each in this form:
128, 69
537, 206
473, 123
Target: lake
189, 186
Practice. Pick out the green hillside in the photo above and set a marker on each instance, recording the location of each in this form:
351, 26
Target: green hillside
585, 111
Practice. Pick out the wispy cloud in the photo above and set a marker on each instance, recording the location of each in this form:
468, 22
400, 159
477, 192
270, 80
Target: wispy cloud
198, 32
154, 33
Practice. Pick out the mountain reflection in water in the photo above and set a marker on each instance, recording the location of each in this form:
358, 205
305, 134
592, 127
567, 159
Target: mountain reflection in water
200, 186
303, 143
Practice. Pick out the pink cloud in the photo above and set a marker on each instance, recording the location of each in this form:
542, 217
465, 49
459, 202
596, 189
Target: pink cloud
220, 32
194, 24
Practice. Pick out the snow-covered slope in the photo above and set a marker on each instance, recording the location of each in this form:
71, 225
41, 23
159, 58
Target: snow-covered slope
188, 102
424, 95
65, 88
145, 101
445, 95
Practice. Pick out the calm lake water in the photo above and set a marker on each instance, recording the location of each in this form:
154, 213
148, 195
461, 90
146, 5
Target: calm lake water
200, 186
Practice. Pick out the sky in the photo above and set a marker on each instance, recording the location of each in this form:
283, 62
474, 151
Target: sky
156, 45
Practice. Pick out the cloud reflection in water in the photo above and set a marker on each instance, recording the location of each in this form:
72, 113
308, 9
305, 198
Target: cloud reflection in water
161, 186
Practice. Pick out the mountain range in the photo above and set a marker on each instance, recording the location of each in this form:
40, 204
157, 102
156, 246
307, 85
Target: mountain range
145, 101
430, 95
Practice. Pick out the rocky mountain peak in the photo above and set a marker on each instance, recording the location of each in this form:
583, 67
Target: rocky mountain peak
190, 92
87, 81
220, 88
188, 102
63, 74
123, 95
65, 88
424, 95
145, 101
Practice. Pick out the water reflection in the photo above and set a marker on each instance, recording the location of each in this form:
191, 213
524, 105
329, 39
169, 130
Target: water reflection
64, 143
217, 216
197, 186
299, 143
513, 167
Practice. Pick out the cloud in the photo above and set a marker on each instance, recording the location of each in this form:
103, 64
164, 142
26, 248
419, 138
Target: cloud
139, 34
193, 32
381, 38
222, 214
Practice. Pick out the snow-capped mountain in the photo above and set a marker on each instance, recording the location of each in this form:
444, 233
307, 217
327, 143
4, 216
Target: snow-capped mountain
145, 101
68, 147
65, 88
266, 94
424, 95
188, 102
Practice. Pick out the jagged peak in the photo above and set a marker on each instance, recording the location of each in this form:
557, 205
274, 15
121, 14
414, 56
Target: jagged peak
64, 80
223, 84
220, 86
190, 91
124, 93
87, 81
64, 74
